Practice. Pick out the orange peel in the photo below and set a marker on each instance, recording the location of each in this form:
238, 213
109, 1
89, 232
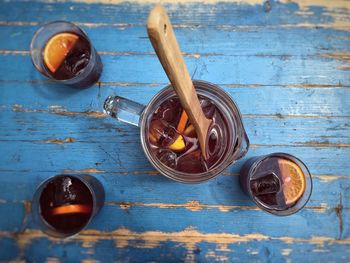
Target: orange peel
71, 209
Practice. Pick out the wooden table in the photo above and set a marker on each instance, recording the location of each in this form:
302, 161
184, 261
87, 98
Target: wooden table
286, 64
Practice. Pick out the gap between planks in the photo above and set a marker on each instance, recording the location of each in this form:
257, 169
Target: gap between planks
195, 206
304, 5
97, 114
229, 85
322, 177
296, 144
336, 25
191, 205
340, 56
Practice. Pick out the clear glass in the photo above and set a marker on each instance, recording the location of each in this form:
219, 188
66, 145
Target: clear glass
140, 116
98, 196
90, 73
247, 173
124, 110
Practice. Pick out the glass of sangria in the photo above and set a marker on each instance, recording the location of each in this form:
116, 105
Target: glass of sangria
62, 52
63, 205
279, 183
169, 140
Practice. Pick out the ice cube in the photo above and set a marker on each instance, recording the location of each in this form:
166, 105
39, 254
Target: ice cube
192, 162
76, 62
208, 108
169, 111
268, 184
162, 133
167, 157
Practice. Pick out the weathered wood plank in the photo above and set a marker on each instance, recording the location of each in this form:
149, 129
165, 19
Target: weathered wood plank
302, 225
265, 100
13, 210
9, 249
237, 14
286, 65
201, 41
261, 130
121, 155
143, 190
189, 245
217, 69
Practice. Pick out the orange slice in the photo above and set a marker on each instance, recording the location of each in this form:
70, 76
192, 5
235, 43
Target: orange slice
178, 144
293, 180
152, 138
182, 122
57, 49
71, 209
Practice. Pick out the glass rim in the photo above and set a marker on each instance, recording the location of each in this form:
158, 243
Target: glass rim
308, 189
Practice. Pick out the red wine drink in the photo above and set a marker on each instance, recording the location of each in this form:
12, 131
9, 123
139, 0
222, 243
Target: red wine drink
65, 204
63, 52
279, 183
174, 141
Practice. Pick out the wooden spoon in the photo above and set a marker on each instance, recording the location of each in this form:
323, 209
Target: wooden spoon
161, 34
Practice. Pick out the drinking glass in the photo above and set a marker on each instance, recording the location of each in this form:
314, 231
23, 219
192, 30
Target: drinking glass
64, 194
86, 76
262, 179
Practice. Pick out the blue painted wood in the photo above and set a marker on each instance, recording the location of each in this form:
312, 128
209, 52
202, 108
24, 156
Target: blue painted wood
273, 100
116, 156
217, 69
15, 211
288, 71
302, 225
234, 14
263, 41
201, 252
9, 249
153, 188
273, 250
262, 130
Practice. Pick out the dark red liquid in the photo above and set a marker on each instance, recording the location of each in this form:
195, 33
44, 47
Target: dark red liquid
271, 183
75, 61
61, 192
163, 133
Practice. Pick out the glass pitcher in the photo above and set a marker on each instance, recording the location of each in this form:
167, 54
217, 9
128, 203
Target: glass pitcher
139, 115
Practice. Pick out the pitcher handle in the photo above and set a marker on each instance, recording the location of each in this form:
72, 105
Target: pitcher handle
123, 109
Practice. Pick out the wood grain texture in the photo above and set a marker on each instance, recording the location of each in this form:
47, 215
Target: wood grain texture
285, 63
188, 245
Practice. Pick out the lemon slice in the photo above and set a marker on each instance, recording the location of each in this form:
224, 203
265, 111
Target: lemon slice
71, 209
293, 180
57, 49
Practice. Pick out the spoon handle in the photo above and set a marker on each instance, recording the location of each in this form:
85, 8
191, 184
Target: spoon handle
161, 34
